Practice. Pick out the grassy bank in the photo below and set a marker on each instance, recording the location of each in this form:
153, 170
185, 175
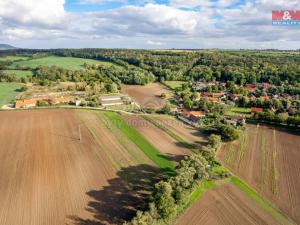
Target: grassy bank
172, 134
142, 143
264, 204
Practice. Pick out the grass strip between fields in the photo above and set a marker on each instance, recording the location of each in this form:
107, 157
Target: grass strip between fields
199, 191
264, 204
142, 143
172, 134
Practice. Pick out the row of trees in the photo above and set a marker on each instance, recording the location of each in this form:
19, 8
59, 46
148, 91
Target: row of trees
172, 194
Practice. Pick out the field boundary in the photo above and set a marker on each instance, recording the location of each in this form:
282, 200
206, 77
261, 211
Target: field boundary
155, 155
262, 202
172, 134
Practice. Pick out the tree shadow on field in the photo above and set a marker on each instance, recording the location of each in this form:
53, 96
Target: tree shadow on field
125, 194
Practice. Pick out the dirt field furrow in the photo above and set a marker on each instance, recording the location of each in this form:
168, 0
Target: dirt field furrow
147, 96
49, 176
186, 132
270, 165
225, 205
158, 138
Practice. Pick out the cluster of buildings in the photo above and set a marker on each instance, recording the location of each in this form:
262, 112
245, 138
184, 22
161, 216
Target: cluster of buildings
29, 103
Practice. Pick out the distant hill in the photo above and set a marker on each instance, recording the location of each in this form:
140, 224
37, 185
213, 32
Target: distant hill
5, 47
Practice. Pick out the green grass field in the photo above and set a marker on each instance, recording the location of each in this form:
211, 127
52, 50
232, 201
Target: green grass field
7, 92
173, 84
64, 62
237, 111
264, 204
13, 58
19, 73
142, 143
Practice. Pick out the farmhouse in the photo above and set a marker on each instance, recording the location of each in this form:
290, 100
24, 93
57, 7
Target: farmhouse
193, 116
111, 100
235, 120
60, 100
25, 103
235, 97
256, 110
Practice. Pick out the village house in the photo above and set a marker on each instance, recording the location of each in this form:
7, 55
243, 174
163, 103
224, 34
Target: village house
199, 86
111, 100
235, 120
255, 110
25, 103
60, 100
264, 86
235, 97
264, 98
191, 116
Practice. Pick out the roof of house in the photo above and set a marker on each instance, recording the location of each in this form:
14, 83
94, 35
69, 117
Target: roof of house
213, 94
197, 113
256, 110
109, 98
265, 98
212, 99
60, 100
23, 103
250, 85
249, 88
238, 95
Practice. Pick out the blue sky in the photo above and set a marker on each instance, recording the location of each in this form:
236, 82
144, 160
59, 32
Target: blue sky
146, 24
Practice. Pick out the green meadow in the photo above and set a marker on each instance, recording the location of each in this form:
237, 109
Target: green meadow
64, 62
7, 92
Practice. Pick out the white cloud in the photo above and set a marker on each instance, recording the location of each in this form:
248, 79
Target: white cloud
41, 12
148, 19
158, 43
191, 4
207, 24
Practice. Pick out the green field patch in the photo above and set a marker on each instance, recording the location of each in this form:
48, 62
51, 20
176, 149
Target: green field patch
264, 204
237, 111
19, 73
174, 84
8, 91
142, 143
13, 58
70, 63
198, 192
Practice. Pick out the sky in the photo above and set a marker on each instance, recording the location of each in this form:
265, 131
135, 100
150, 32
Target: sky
149, 24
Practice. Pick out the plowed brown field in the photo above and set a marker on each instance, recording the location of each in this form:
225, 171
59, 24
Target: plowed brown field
226, 205
48, 176
186, 132
147, 96
267, 158
158, 138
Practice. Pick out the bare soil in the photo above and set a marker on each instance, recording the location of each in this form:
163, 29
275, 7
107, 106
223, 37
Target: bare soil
267, 158
185, 131
226, 205
147, 96
163, 142
49, 176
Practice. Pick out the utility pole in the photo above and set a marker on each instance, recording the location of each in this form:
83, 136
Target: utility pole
79, 129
